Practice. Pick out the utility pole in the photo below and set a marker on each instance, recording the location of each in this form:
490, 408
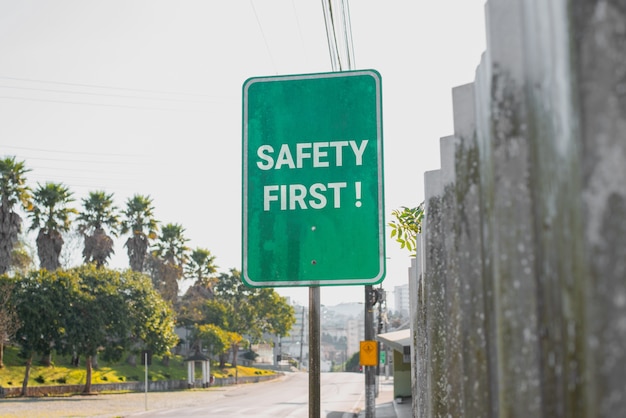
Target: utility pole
301, 338
379, 326
370, 371
382, 326
381, 297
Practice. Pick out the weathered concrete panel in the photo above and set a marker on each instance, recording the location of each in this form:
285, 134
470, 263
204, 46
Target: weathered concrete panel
421, 390
486, 197
554, 154
452, 315
513, 252
598, 32
476, 386
434, 289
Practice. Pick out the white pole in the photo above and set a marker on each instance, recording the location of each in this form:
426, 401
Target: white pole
146, 369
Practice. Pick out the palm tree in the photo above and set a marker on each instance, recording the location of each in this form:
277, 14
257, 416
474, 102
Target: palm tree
201, 266
171, 245
167, 260
13, 190
139, 221
98, 213
51, 216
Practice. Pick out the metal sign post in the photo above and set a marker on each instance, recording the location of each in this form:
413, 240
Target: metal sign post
314, 352
312, 192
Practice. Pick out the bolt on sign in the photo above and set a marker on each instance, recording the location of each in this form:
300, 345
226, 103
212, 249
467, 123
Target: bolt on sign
312, 197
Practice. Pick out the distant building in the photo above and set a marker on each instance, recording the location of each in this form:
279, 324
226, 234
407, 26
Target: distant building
297, 341
401, 299
355, 330
343, 324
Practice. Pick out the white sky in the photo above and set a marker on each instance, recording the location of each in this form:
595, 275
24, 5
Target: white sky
132, 96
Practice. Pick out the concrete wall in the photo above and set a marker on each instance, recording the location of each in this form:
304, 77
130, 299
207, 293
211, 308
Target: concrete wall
520, 276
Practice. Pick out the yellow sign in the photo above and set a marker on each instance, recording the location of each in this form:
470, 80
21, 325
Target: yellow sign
368, 356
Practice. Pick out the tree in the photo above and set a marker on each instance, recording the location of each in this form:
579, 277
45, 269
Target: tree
22, 257
113, 310
87, 310
164, 277
190, 309
213, 337
9, 322
13, 191
352, 365
140, 222
152, 325
51, 215
167, 260
40, 299
234, 340
201, 266
253, 311
171, 245
99, 214
231, 319
274, 315
230, 286
407, 225
248, 311
96, 315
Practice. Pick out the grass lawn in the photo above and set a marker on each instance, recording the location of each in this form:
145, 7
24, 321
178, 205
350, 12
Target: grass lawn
63, 373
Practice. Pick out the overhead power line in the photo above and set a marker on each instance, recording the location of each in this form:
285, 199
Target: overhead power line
118, 97
267, 47
295, 13
64, 152
98, 86
84, 93
71, 102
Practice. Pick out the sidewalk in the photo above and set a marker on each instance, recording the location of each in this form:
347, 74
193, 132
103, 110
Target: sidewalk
386, 406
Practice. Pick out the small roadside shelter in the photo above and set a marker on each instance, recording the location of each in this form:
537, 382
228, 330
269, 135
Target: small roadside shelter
191, 369
400, 342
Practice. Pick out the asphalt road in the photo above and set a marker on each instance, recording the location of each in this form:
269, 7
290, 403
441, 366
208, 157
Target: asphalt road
342, 396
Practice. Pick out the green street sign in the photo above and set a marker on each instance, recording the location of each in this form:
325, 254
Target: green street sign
312, 197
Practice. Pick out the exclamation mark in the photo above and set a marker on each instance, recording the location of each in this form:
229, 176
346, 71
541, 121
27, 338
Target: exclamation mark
357, 187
